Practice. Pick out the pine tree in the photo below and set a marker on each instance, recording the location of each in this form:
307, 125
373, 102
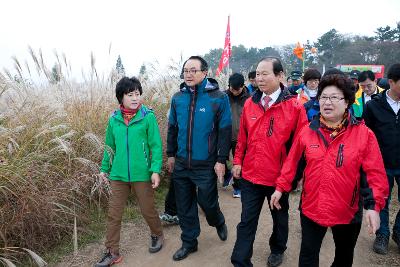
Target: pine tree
120, 67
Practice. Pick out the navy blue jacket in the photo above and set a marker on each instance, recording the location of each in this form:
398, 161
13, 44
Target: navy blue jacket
199, 126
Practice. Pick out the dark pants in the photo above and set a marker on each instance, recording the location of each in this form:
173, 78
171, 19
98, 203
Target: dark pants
312, 234
228, 173
186, 182
392, 175
252, 198
170, 201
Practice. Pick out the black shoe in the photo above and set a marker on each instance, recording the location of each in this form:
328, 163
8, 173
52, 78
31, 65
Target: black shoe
222, 232
275, 260
396, 238
183, 252
381, 244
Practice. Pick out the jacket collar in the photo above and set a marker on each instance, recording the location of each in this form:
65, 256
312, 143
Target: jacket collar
208, 84
315, 124
142, 112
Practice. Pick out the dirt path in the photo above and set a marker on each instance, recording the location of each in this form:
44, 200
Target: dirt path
213, 252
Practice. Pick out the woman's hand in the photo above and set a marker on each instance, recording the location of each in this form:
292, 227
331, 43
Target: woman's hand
373, 221
155, 180
276, 196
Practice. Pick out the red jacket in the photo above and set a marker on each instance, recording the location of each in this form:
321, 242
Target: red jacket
332, 180
265, 136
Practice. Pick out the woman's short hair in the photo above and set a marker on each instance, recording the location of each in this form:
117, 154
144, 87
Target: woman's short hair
311, 74
343, 83
125, 86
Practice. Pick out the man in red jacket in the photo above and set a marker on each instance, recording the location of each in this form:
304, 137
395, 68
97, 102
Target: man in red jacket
270, 120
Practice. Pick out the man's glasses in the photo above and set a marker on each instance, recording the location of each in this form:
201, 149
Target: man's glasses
333, 99
186, 72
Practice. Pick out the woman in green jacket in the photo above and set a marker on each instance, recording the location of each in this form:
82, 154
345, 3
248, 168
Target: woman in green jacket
132, 159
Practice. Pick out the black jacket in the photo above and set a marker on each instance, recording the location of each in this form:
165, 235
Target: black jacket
381, 119
237, 103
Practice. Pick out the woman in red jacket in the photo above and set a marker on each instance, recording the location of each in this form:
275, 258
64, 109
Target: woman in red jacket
335, 147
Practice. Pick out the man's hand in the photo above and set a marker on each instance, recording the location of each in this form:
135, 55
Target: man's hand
236, 170
220, 171
171, 164
373, 221
276, 196
155, 180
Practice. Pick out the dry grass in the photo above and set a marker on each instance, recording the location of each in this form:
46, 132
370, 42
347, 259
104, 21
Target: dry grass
51, 144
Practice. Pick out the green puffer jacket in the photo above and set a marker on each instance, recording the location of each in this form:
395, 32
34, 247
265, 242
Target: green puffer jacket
132, 152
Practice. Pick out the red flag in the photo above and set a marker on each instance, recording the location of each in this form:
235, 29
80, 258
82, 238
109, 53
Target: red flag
226, 53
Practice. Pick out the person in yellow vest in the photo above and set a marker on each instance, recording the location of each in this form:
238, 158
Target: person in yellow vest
367, 89
309, 90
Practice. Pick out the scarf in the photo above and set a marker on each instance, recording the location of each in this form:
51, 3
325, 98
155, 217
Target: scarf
128, 113
334, 131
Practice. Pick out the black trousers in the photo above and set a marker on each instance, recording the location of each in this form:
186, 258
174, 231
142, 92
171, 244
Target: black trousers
186, 181
252, 198
344, 235
170, 201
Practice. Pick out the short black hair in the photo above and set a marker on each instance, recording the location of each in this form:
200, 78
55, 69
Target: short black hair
311, 74
203, 62
276, 64
333, 71
394, 72
342, 82
252, 75
125, 86
236, 81
367, 74
384, 83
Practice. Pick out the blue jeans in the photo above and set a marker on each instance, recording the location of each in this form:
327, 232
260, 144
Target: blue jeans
392, 174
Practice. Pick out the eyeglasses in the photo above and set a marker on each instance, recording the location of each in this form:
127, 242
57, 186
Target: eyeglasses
333, 99
367, 86
186, 72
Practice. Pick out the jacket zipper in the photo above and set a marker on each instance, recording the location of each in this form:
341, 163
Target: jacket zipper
193, 97
209, 139
145, 154
353, 197
127, 149
339, 159
271, 125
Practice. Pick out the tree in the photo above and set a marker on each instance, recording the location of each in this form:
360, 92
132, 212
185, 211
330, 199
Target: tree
385, 34
55, 74
120, 67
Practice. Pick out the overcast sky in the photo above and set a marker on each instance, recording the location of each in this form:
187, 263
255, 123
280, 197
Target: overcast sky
149, 30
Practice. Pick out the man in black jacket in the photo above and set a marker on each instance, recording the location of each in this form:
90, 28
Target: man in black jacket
382, 116
237, 94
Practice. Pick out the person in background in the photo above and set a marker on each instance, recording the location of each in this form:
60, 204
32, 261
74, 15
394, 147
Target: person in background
335, 147
198, 143
384, 83
252, 86
309, 90
237, 94
354, 77
270, 120
297, 82
132, 160
381, 115
367, 89
289, 82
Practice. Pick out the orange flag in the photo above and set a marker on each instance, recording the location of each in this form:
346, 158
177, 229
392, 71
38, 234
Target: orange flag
298, 51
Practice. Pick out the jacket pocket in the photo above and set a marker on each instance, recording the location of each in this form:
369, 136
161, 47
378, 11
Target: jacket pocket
271, 126
353, 197
340, 157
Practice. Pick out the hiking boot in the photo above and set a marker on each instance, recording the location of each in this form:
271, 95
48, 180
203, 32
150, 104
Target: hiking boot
156, 243
381, 244
236, 193
274, 260
169, 218
109, 259
396, 238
